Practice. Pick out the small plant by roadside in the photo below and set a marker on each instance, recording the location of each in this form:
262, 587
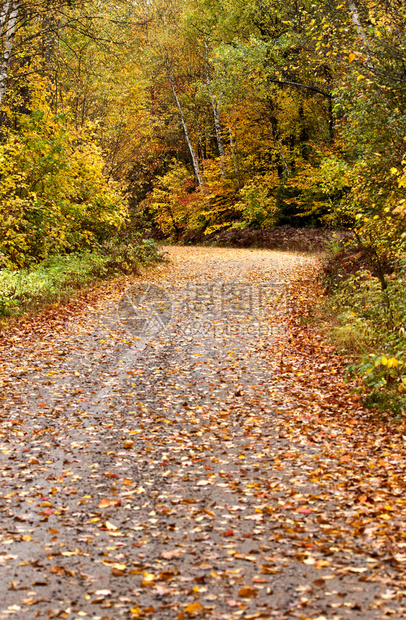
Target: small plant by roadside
56, 279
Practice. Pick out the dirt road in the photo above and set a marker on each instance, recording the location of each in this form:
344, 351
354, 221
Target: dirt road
185, 452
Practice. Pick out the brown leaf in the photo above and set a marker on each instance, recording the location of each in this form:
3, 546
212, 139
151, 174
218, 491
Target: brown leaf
169, 555
269, 570
247, 592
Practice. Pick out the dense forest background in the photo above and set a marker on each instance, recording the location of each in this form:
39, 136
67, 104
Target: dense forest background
184, 115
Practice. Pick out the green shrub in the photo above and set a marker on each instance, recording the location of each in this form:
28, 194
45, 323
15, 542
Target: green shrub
56, 278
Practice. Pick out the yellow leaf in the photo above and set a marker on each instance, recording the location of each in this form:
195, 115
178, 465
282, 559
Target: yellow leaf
351, 57
110, 526
119, 566
322, 563
360, 77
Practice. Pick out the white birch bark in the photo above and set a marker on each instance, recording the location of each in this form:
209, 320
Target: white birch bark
8, 46
360, 30
217, 126
4, 14
193, 155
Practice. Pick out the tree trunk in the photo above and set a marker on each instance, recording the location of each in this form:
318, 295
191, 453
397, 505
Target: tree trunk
193, 155
49, 26
216, 112
360, 30
10, 26
202, 146
217, 127
233, 147
3, 15
304, 136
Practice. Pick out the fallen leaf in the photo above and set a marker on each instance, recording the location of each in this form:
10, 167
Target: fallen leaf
194, 609
247, 592
169, 555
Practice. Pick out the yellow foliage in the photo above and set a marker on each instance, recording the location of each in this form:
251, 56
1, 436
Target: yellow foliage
54, 195
178, 206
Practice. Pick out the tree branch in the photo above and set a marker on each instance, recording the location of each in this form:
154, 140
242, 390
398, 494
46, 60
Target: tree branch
315, 89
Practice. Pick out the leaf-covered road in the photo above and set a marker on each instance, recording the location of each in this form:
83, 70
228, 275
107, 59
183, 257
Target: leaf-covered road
219, 468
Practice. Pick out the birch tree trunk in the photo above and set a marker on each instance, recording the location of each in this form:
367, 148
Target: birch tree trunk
4, 14
355, 18
10, 21
217, 126
193, 155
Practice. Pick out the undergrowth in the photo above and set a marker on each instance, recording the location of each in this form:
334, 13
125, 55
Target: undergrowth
58, 277
367, 324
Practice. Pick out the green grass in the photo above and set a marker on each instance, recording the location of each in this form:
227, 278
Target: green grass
57, 278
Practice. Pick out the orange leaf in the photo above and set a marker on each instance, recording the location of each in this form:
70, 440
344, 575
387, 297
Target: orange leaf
194, 608
304, 511
247, 592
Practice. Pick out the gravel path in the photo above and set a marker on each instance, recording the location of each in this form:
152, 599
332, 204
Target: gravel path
155, 460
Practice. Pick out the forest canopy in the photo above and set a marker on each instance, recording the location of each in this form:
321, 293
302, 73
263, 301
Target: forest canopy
199, 115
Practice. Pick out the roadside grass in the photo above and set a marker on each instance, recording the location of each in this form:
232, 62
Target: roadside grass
367, 326
350, 334
59, 277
